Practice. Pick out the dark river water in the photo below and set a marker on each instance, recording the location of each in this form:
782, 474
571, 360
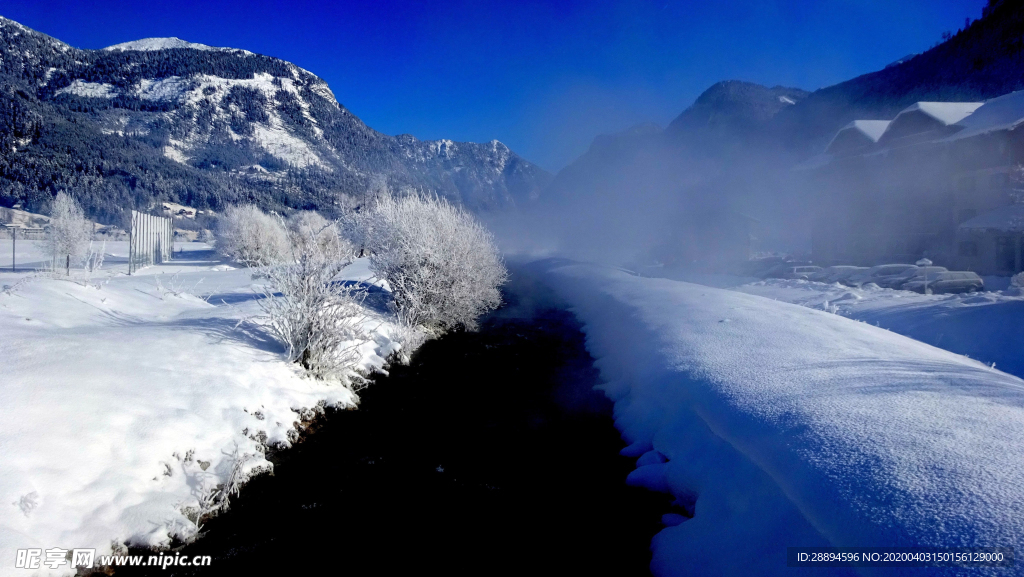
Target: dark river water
489, 454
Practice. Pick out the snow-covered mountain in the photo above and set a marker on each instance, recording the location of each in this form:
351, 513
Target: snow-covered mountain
167, 119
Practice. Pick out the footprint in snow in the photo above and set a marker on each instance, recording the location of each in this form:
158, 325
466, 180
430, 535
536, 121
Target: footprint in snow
28, 502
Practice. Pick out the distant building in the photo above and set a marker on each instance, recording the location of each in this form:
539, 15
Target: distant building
173, 210
992, 242
857, 136
918, 185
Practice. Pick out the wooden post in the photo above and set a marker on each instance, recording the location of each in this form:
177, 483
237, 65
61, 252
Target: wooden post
67, 266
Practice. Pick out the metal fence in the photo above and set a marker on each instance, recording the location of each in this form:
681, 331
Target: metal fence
150, 240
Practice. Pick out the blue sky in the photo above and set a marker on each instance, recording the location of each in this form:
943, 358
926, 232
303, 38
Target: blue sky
543, 77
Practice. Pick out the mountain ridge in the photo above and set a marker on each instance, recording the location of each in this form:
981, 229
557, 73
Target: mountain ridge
168, 120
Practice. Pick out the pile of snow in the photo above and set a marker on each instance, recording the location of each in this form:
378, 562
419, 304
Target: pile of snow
126, 402
778, 426
986, 326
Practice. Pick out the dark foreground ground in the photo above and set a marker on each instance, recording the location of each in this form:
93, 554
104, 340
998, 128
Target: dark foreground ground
489, 454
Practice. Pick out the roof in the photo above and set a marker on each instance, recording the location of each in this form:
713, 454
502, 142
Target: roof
1008, 218
923, 117
857, 134
945, 112
1003, 113
873, 129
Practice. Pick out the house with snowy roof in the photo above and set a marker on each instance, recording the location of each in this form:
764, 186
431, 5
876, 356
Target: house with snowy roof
856, 137
926, 121
899, 190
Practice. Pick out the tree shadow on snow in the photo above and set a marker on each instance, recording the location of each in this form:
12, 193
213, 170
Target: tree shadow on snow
220, 330
235, 298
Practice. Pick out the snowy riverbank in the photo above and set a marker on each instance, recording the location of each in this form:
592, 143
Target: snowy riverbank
127, 401
777, 425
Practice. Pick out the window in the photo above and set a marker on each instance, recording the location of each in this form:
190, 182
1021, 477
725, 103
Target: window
968, 248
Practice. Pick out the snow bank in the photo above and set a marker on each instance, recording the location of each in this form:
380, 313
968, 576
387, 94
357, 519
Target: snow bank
777, 425
123, 405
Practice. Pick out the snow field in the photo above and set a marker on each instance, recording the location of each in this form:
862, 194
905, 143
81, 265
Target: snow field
127, 401
781, 426
988, 326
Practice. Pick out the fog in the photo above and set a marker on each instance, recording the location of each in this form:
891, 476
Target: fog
704, 197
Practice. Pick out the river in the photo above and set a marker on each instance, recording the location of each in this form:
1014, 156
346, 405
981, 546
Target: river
489, 454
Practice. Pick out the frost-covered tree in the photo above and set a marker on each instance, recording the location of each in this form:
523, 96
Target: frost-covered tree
252, 237
69, 232
441, 263
317, 318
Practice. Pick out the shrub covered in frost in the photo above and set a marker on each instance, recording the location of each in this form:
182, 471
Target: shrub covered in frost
442, 264
318, 319
252, 237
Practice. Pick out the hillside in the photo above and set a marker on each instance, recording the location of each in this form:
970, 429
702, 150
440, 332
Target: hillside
168, 120
730, 152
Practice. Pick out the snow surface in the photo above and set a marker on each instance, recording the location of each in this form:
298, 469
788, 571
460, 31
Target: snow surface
90, 89
784, 426
170, 88
985, 326
279, 142
128, 399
